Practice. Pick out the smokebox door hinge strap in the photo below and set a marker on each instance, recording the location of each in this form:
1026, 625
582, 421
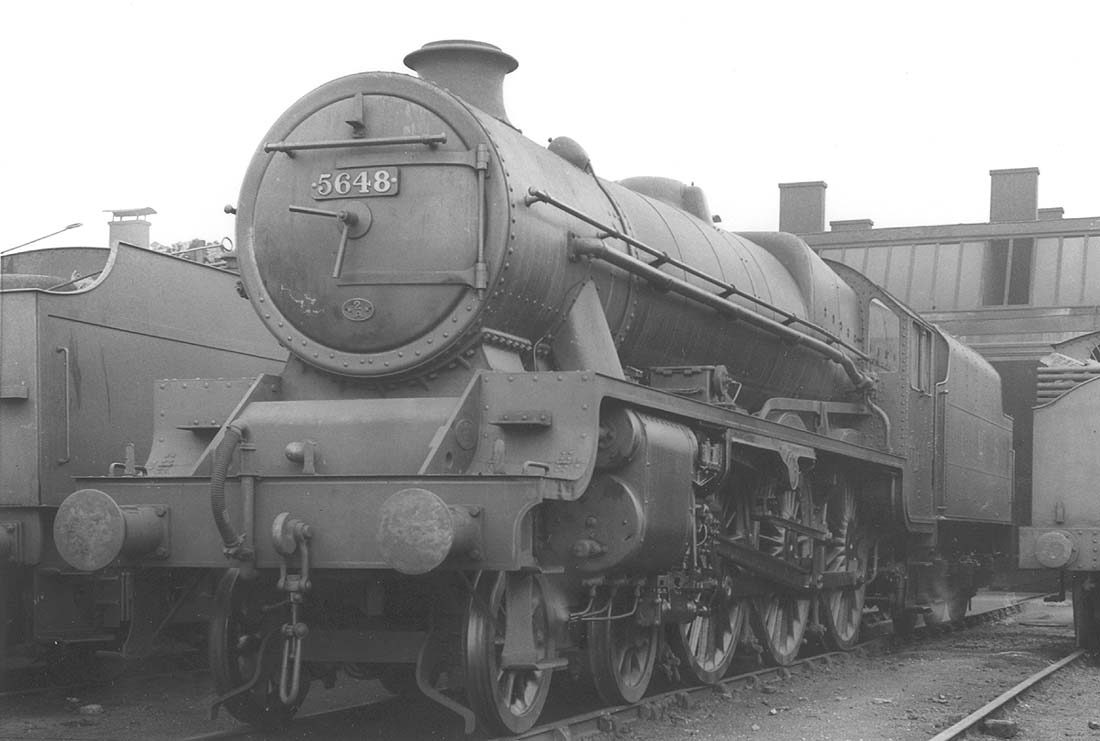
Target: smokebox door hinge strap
481, 271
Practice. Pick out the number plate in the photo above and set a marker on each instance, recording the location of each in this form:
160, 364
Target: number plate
367, 182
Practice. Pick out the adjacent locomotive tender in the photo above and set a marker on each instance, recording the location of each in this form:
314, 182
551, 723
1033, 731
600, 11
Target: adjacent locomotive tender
1065, 510
85, 332
535, 422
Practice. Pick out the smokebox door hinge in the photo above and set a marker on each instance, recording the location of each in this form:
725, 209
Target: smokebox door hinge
358, 125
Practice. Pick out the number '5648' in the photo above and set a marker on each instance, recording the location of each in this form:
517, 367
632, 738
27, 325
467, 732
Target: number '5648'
380, 181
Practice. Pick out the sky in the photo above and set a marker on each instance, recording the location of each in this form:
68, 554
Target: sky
902, 108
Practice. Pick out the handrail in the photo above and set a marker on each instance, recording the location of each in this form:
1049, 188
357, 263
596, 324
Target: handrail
663, 258
68, 403
432, 140
579, 246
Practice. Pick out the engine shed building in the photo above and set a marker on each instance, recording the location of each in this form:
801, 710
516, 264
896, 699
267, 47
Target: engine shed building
1010, 287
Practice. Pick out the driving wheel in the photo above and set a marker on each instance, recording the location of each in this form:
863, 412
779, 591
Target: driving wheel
842, 608
779, 618
706, 644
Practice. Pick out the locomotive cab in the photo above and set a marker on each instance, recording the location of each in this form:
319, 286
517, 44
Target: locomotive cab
956, 488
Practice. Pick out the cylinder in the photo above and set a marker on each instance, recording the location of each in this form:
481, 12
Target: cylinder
91, 530
418, 531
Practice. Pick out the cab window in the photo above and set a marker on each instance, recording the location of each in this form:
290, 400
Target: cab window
920, 358
883, 335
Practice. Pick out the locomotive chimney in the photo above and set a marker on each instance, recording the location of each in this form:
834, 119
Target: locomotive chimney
1014, 195
802, 207
472, 70
129, 225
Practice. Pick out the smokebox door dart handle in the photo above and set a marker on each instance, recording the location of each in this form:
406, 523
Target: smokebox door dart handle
346, 217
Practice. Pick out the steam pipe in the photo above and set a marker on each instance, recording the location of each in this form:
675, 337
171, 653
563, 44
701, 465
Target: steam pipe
234, 543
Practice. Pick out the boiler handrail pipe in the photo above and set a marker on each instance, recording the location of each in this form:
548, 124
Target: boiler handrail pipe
595, 248
663, 258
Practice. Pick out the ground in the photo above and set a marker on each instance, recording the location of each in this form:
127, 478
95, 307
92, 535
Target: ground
912, 692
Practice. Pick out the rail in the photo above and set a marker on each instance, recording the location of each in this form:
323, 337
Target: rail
1004, 698
610, 721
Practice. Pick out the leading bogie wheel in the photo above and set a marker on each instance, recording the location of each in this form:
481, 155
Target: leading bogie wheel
238, 652
505, 700
622, 654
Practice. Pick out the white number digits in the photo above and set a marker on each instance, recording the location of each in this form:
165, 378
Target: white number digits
353, 183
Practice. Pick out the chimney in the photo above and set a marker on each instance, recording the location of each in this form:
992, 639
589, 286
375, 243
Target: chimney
802, 207
1014, 195
472, 70
1051, 214
851, 225
128, 225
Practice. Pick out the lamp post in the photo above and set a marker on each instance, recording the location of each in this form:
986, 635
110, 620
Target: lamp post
44, 236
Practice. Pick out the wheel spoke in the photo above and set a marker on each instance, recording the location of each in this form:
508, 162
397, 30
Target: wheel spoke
693, 636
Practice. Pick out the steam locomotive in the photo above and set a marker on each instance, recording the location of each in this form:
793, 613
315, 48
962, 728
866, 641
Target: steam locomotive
535, 421
1064, 531
85, 332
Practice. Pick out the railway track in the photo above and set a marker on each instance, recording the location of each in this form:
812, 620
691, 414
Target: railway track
990, 709
615, 720
610, 722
